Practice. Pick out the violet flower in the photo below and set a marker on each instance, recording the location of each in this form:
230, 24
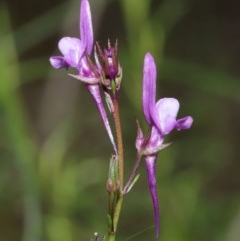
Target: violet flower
161, 117
76, 54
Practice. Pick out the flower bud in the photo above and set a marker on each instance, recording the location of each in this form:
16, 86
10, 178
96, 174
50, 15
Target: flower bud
110, 67
113, 180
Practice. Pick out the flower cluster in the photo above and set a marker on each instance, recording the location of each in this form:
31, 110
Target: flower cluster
105, 73
161, 118
76, 54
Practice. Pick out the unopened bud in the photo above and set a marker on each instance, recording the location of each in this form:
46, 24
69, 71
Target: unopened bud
113, 180
111, 187
111, 69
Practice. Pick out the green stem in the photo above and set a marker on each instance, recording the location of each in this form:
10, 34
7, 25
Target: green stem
116, 203
119, 138
111, 237
117, 211
110, 210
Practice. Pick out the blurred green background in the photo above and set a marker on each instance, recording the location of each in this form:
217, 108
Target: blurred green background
54, 151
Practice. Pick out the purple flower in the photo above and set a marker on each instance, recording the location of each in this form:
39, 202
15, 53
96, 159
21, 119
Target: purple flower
161, 117
76, 54
75, 50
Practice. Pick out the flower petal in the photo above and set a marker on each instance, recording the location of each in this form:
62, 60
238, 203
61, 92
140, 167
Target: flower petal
151, 172
86, 69
167, 109
86, 30
155, 142
72, 50
184, 123
58, 62
149, 87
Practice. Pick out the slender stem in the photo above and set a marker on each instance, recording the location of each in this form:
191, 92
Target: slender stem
117, 211
133, 173
111, 211
117, 203
111, 237
119, 138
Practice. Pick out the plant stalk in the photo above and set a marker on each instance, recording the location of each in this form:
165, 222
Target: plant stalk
117, 203
118, 128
